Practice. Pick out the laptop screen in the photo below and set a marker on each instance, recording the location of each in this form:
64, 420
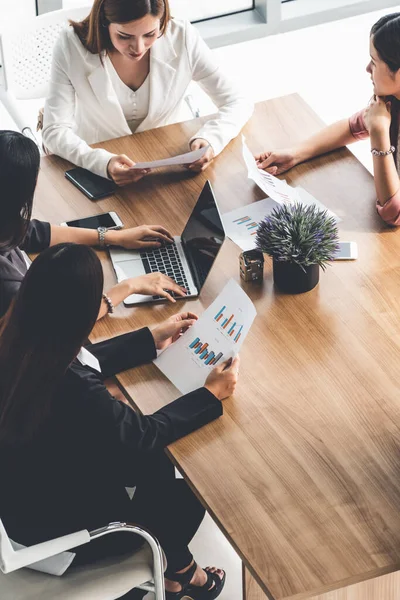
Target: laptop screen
203, 236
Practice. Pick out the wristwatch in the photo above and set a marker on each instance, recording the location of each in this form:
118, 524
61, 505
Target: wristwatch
102, 233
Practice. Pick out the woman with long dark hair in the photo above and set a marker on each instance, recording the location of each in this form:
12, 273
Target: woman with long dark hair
68, 449
19, 168
379, 121
126, 69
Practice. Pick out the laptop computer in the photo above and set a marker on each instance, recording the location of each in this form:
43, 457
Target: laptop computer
188, 260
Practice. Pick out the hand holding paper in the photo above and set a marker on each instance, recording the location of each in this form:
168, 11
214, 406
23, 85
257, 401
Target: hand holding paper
216, 337
170, 331
182, 159
223, 378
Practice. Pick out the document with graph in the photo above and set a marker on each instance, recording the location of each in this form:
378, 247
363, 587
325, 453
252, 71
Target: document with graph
241, 224
217, 336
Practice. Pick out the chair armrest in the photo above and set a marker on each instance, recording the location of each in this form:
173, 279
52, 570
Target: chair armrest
159, 560
11, 559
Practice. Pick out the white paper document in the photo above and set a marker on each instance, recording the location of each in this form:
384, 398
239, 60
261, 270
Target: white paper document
276, 189
181, 159
217, 336
308, 199
242, 223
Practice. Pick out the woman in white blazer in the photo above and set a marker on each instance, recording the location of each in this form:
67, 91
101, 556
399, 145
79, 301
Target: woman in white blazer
125, 69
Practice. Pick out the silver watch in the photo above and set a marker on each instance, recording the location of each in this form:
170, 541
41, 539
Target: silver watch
102, 233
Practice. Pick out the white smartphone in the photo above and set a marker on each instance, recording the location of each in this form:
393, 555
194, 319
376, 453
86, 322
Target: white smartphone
347, 251
109, 220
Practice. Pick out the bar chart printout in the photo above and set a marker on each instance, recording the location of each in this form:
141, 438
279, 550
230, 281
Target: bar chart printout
248, 222
229, 324
204, 353
213, 339
241, 224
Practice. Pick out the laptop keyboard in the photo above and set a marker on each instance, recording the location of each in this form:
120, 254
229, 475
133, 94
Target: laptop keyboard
165, 260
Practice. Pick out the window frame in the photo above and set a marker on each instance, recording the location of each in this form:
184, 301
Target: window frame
227, 14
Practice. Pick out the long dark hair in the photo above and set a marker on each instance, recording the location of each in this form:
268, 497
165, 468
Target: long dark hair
53, 313
93, 31
386, 38
19, 168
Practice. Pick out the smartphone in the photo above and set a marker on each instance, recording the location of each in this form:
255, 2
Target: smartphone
109, 220
347, 251
93, 186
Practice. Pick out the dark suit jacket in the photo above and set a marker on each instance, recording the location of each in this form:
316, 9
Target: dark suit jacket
12, 263
73, 475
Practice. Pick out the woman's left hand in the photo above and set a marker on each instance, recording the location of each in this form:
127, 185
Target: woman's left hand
145, 236
206, 160
377, 115
168, 332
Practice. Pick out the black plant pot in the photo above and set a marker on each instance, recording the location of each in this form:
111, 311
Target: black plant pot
291, 278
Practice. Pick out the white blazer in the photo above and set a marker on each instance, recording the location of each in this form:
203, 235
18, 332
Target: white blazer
82, 107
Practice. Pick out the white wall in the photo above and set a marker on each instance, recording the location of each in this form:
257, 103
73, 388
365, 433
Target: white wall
12, 10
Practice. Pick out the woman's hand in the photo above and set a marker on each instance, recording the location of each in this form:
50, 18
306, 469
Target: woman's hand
145, 236
119, 170
276, 162
223, 379
206, 160
168, 332
156, 284
377, 115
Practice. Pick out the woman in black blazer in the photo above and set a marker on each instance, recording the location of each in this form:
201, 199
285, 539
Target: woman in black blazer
19, 168
69, 449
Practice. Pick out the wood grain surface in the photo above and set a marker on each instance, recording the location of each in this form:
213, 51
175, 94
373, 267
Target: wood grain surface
386, 587
302, 472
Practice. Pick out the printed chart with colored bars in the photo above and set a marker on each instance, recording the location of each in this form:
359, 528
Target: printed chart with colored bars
241, 224
229, 325
204, 353
216, 336
248, 222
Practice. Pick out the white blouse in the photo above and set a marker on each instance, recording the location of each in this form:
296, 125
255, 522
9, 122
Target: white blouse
134, 104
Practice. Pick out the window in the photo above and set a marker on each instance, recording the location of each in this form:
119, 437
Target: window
198, 10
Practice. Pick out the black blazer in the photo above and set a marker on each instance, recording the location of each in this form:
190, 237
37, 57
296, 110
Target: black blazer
73, 475
12, 263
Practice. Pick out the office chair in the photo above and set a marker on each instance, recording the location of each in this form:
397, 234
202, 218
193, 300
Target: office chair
25, 60
106, 579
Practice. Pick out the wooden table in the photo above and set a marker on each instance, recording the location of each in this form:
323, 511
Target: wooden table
302, 473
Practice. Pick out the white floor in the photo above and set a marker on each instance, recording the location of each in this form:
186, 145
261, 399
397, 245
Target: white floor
326, 65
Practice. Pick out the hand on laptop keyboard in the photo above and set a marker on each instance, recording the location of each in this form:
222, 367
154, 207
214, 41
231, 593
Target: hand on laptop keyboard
157, 284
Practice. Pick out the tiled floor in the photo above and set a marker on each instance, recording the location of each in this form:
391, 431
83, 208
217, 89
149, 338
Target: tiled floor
326, 65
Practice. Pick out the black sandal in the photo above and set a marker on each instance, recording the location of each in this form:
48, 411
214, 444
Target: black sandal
210, 590
183, 579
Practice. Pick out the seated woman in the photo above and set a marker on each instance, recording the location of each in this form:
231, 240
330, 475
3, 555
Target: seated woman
19, 168
125, 69
69, 449
379, 121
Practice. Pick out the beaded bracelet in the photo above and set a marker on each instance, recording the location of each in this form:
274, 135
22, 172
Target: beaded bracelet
110, 305
376, 152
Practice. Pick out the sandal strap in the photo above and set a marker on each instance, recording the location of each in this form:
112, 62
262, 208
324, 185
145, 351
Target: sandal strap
211, 589
212, 579
182, 578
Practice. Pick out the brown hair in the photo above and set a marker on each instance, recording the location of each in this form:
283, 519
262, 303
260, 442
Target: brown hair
93, 31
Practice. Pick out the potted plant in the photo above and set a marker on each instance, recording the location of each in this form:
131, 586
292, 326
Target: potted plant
300, 239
